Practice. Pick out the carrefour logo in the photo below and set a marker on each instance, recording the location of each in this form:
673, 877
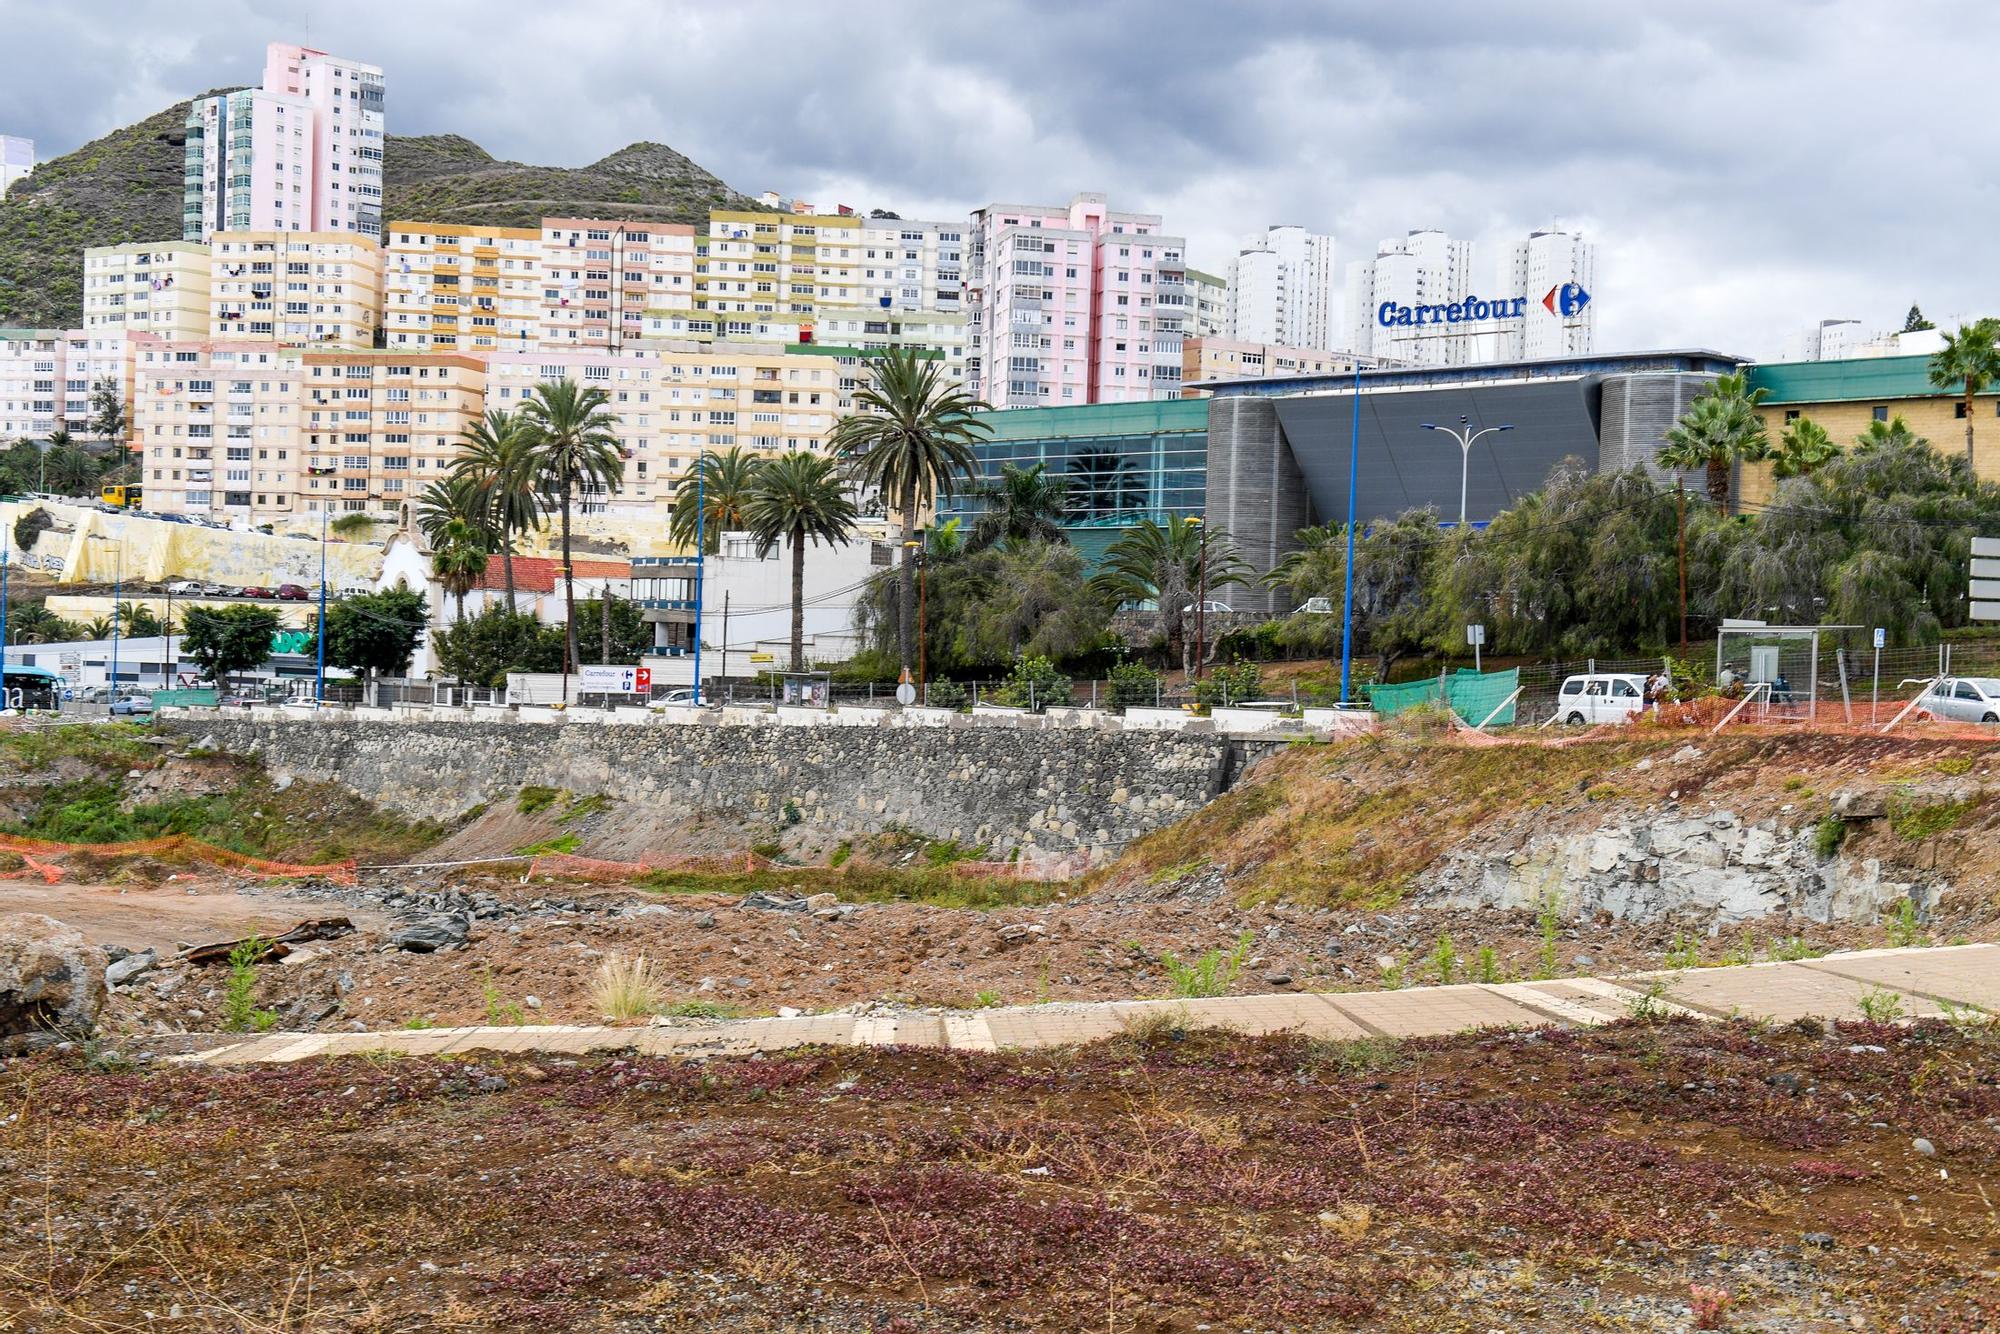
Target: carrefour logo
1566, 300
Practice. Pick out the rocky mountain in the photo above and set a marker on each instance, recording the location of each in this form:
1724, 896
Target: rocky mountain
126, 186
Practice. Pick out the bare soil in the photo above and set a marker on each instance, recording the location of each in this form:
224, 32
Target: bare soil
1651, 1176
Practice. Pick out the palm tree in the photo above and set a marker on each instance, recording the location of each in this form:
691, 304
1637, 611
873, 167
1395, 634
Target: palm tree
1969, 361
1804, 448
494, 455
1025, 505
139, 620
910, 437
69, 470
453, 514
572, 444
99, 627
1720, 429
720, 484
798, 498
1162, 564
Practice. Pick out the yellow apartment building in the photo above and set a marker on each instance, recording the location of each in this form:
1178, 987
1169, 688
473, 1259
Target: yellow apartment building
303, 289
461, 289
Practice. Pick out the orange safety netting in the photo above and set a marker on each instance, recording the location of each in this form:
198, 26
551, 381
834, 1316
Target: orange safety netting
166, 845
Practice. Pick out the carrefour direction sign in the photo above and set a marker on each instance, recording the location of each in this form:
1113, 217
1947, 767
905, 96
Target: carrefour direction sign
1565, 300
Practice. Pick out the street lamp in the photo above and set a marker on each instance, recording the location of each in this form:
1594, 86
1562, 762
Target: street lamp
1465, 436
700, 560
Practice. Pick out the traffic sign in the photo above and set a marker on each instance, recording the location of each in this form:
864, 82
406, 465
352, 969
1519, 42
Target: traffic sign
1986, 546
906, 694
1475, 634
761, 657
1881, 636
610, 680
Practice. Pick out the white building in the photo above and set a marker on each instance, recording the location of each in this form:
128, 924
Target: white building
1207, 305
1550, 269
1281, 289
150, 287
17, 159
1845, 340
1426, 268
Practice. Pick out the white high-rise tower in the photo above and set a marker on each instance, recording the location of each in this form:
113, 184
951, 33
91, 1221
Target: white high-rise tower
1553, 323
1424, 268
1281, 289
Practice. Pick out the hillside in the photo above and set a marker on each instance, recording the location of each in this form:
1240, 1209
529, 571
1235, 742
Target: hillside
126, 186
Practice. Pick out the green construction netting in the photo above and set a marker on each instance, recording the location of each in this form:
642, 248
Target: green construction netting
1473, 695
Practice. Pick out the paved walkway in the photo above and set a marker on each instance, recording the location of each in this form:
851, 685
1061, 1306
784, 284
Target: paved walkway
1916, 983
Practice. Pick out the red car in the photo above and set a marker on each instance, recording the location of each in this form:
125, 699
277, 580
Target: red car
291, 592
254, 592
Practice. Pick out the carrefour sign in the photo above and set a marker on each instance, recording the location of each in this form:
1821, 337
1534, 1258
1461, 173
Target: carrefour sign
1565, 300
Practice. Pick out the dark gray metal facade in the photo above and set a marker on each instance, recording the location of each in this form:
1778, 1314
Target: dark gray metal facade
1256, 492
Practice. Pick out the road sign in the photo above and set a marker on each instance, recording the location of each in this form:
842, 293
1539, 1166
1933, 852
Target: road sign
1881, 636
906, 693
762, 657
1985, 588
1986, 611
1475, 635
610, 680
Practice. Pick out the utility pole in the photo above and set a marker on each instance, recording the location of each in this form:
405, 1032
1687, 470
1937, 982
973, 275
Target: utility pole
1200, 598
1681, 541
725, 635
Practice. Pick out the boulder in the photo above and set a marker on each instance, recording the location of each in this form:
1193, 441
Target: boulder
124, 970
51, 981
438, 933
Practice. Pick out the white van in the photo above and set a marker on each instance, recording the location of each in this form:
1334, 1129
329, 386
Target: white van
1610, 697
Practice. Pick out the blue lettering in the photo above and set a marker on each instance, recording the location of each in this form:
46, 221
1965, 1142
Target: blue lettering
1403, 316
1455, 311
1520, 305
1385, 314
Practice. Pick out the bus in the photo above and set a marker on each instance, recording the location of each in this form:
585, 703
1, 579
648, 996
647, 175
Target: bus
23, 687
124, 497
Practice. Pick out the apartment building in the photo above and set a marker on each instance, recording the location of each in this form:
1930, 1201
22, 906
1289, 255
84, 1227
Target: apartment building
1281, 288
1211, 359
93, 357
908, 265
870, 330
216, 422
31, 382
148, 287
1423, 268
609, 283
301, 153
319, 289
1553, 323
377, 428
461, 289
677, 400
1207, 305
17, 160
752, 264
1073, 303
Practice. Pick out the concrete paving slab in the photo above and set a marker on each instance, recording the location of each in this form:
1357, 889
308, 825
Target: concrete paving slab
1778, 992
968, 1032
1622, 998
899, 1030
1561, 1003
1964, 975
1431, 1011
1062, 1025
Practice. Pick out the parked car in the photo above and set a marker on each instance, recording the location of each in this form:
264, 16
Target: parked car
673, 699
354, 591
184, 588
292, 592
214, 591
1965, 699
1607, 697
254, 591
93, 695
132, 705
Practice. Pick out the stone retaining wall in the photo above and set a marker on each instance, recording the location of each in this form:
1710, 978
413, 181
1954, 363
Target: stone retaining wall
1043, 790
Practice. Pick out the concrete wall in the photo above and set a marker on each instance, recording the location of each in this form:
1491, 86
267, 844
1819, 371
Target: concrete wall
1054, 790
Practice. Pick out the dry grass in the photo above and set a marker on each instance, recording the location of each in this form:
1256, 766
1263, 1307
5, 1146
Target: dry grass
625, 989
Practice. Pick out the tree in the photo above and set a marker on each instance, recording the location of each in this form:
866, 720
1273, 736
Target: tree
452, 515
376, 632
139, 620
34, 623
709, 499
223, 641
910, 437
1914, 322
798, 498
1720, 429
71, 471
987, 608
100, 627
1025, 505
107, 414
1804, 448
482, 649
496, 456
573, 445
631, 635
1969, 362
1162, 563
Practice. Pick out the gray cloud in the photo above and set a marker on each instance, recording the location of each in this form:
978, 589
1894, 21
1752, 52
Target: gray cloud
1744, 169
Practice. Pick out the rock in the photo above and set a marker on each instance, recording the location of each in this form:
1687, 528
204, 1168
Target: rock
1278, 977
789, 1012
1820, 1241
130, 967
1785, 1081
51, 981
1020, 931
1924, 1146
817, 902
705, 922
435, 934
1860, 805
532, 1002
344, 983
297, 957
769, 902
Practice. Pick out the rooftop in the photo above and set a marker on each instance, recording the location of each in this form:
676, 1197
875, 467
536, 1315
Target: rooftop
1840, 381
537, 574
1692, 361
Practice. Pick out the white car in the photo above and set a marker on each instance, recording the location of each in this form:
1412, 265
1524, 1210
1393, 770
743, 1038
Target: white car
674, 699
184, 588
1607, 697
1965, 699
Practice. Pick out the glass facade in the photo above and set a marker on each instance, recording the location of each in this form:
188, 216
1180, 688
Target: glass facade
1125, 462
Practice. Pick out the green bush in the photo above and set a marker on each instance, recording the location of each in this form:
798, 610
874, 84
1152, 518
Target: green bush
1134, 683
1261, 643
1828, 835
1208, 975
1035, 684
1231, 683
945, 693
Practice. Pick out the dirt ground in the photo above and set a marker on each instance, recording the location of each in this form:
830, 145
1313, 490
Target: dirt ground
1651, 1176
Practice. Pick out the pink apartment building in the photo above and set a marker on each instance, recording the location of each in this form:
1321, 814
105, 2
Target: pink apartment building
1073, 304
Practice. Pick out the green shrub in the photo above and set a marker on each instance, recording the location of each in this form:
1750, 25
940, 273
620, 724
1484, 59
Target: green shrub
945, 693
1828, 835
1208, 975
1445, 960
1034, 684
1134, 684
1231, 683
1904, 927
1685, 952
1914, 820
537, 799
1486, 966
239, 1003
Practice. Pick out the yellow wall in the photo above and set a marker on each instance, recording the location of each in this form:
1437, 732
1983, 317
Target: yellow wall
84, 545
1934, 419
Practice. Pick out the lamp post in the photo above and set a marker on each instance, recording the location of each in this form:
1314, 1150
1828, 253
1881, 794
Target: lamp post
700, 560
1201, 593
1465, 436
319, 677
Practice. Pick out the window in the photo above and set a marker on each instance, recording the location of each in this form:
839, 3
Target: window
1791, 415
1881, 412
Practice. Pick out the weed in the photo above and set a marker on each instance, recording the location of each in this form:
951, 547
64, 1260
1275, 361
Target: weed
1794, 783
768, 851
946, 851
1349, 1222
1828, 835
625, 989
239, 1002
1486, 966
473, 813
1179, 870
1548, 918
1148, 1027
1361, 1056
1685, 952
1879, 1006
1966, 1020
1914, 821
1600, 792
697, 1009
1209, 975
1392, 973
533, 799
986, 1000
1904, 927
589, 805
1444, 959
841, 853
1793, 948
1954, 765
561, 843
789, 813
1743, 952
1707, 1305
1648, 1004
500, 1012
417, 1023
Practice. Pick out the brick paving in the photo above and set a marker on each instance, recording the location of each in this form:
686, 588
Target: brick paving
1923, 982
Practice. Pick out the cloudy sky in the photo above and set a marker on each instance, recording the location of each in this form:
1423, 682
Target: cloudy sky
1745, 169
